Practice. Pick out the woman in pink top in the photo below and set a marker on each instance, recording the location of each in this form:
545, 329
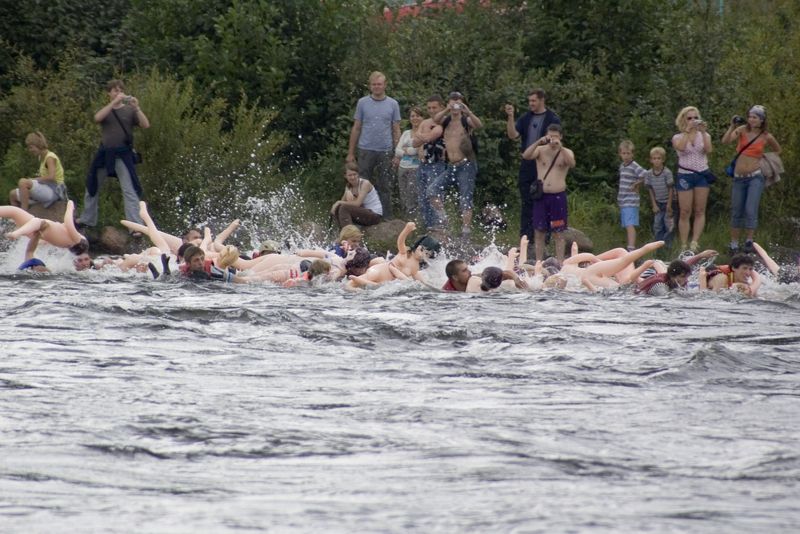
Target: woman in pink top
693, 145
748, 181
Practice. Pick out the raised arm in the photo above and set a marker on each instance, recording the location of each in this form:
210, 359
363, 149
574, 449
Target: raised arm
401, 239
511, 125
771, 264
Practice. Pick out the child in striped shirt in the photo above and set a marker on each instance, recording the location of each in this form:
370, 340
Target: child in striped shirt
630, 178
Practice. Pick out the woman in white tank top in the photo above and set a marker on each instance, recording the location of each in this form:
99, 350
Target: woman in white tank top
360, 203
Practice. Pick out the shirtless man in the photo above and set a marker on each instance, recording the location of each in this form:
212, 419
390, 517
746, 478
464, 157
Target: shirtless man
458, 123
553, 161
429, 137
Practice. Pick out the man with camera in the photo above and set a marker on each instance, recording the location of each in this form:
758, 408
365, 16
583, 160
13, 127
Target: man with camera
553, 161
529, 128
458, 123
116, 156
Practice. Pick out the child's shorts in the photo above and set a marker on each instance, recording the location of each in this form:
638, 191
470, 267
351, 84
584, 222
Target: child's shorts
629, 216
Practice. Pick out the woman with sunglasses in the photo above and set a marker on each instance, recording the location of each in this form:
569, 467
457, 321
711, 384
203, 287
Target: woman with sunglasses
693, 145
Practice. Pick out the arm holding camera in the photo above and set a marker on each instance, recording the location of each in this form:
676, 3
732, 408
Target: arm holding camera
532, 152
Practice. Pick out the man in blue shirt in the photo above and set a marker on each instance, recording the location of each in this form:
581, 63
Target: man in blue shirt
529, 128
375, 133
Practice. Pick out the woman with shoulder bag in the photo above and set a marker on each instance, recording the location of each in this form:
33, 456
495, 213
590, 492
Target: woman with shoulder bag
752, 138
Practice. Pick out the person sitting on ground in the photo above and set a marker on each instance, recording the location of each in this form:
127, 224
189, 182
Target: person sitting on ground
404, 266
360, 203
739, 275
46, 188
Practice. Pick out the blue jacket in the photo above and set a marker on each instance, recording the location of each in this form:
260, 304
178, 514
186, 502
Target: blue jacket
527, 168
106, 158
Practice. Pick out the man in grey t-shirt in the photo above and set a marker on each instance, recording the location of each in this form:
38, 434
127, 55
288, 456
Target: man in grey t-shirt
375, 133
115, 156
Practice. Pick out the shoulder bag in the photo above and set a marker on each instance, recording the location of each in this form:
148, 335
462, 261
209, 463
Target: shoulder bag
537, 188
137, 156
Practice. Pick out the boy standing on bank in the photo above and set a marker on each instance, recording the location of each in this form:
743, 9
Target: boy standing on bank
630, 178
660, 184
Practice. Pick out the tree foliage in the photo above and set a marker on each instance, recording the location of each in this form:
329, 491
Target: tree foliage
280, 80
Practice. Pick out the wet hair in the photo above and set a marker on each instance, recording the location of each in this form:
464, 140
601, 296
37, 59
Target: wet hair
491, 278
658, 151
192, 251
112, 84
228, 256
190, 230
429, 243
678, 267
304, 265
626, 144
350, 232
539, 93
81, 247
359, 262
36, 139
318, 268
182, 249
741, 259
452, 266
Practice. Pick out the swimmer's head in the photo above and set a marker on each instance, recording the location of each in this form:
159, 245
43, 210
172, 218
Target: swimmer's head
81, 262
34, 265
678, 272
192, 234
228, 256
318, 268
491, 278
194, 257
555, 281
359, 263
352, 235
269, 247
82, 247
429, 244
182, 250
458, 271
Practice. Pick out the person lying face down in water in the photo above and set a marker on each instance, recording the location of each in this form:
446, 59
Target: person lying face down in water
404, 266
739, 275
674, 277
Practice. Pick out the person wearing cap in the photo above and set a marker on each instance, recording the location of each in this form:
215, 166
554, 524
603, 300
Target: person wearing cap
269, 247
375, 133
529, 128
748, 180
458, 123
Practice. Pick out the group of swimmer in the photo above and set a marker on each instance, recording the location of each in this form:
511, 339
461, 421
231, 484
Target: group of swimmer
202, 256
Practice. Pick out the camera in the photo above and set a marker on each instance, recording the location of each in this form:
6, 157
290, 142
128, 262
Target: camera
738, 120
127, 100
456, 106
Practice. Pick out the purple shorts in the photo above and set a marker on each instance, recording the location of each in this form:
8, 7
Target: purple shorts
550, 212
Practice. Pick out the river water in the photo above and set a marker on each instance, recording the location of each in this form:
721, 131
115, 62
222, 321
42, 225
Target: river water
133, 405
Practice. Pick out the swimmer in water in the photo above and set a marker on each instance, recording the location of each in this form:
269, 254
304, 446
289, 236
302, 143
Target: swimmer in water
404, 266
739, 275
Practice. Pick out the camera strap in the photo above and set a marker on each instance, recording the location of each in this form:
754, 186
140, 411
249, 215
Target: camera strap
128, 138
552, 164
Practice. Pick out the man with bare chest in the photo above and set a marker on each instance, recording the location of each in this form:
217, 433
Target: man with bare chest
553, 161
458, 123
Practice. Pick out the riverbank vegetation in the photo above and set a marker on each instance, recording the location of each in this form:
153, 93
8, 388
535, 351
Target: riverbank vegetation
247, 96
